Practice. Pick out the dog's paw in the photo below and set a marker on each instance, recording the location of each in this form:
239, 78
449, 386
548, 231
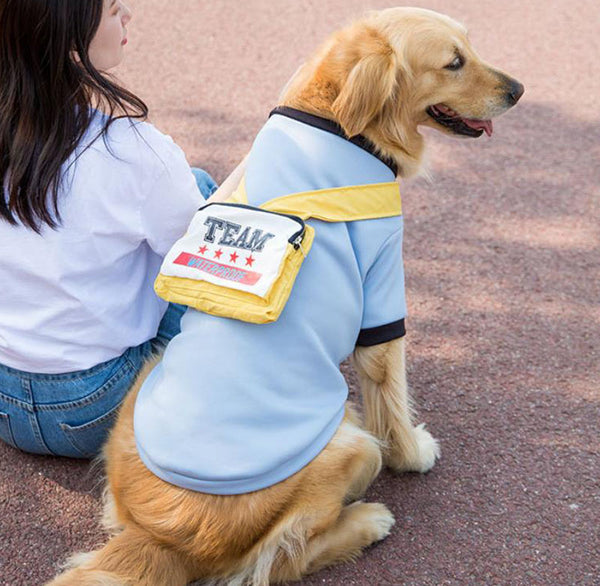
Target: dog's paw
373, 521
381, 520
429, 449
422, 456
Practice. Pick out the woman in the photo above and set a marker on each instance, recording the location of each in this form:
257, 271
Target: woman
93, 199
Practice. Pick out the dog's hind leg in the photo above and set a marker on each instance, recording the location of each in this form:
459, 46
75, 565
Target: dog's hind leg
388, 411
366, 462
324, 531
358, 526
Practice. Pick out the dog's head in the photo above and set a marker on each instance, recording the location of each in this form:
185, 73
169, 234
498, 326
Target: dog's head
396, 70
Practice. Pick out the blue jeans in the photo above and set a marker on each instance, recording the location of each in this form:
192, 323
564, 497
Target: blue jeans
71, 414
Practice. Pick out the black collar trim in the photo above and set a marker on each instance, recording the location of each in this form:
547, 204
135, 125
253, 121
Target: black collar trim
331, 126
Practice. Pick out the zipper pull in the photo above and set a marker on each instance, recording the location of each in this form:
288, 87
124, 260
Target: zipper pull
297, 244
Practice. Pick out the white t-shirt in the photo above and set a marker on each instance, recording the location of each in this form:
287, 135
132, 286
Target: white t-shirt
82, 294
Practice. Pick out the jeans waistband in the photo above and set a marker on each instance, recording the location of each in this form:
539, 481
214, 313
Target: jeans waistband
31, 388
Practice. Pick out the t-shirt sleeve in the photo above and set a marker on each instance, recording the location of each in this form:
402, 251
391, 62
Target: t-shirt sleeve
170, 200
384, 296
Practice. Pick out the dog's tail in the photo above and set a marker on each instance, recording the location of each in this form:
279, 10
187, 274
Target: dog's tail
131, 557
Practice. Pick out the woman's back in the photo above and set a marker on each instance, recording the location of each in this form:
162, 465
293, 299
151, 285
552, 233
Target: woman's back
81, 294
91, 199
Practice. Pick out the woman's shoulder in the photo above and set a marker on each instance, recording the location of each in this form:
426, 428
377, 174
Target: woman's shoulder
141, 136
134, 142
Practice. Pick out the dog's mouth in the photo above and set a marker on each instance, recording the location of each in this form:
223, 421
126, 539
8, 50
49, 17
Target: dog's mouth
456, 123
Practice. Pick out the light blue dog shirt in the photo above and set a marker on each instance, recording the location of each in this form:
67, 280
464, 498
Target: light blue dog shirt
235, 407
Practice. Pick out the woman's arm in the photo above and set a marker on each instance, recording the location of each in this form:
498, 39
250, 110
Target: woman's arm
230, 184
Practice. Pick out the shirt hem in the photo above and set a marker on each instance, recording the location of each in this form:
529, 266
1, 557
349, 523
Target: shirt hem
233, 487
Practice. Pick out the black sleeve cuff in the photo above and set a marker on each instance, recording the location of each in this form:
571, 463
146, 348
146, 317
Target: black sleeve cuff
381, 334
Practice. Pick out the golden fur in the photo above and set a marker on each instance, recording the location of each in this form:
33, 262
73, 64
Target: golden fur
376, 77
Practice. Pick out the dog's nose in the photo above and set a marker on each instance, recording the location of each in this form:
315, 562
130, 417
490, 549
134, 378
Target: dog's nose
515, 91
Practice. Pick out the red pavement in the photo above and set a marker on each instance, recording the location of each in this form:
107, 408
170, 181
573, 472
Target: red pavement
503, 276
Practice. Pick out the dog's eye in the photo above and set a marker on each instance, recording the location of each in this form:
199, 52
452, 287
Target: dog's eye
456, 64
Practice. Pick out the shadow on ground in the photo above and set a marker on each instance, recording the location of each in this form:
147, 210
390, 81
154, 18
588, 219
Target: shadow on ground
503, 273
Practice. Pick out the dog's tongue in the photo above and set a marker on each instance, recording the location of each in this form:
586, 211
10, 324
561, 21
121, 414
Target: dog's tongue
485, 125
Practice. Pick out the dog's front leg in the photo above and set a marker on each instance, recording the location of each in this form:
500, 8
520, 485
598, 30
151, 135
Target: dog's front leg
388, 411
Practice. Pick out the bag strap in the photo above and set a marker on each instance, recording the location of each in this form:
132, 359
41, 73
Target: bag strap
340, 204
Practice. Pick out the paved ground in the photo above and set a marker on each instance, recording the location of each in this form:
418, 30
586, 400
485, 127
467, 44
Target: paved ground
503, 265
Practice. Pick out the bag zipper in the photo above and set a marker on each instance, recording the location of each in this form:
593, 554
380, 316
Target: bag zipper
295, 239
297, 243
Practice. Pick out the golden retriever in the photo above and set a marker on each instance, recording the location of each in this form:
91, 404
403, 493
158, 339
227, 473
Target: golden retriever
383, 77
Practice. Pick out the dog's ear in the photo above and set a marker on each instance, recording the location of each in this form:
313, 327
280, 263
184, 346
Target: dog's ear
370, 83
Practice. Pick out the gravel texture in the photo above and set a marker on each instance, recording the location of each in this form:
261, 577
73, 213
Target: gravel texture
503, 277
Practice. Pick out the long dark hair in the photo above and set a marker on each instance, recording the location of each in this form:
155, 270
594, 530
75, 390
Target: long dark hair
48, 86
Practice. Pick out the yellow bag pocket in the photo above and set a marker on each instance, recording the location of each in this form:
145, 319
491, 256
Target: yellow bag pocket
236, 261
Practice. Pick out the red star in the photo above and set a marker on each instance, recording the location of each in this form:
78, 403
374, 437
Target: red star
233, 257
202, 249
249, 260
218, 253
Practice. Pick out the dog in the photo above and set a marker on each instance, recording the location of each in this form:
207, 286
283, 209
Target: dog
381, 78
